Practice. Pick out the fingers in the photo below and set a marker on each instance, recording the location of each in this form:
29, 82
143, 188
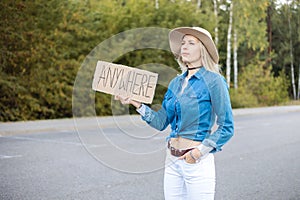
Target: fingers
117, 97
123, 100
127, 100
187, 158
182, 157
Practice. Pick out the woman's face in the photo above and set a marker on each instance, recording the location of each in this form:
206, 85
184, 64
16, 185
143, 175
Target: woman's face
190, 50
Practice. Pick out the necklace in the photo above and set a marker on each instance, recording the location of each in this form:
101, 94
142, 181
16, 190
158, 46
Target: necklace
194, 68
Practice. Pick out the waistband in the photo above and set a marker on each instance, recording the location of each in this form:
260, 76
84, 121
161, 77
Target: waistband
177, 152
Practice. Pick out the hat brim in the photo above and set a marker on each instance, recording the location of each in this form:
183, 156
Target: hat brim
176, 36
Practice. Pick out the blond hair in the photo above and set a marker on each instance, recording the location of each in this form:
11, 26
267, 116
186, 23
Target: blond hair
206, 60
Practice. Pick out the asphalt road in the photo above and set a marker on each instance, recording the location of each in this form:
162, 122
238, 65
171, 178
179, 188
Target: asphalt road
122, 158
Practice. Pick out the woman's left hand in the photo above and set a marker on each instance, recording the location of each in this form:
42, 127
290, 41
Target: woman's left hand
188, 158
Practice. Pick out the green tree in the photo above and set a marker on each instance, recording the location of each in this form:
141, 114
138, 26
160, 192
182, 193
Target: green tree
259, 87
281, 37
43, 45
24, 46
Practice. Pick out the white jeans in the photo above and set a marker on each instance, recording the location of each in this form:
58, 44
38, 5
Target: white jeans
184, 181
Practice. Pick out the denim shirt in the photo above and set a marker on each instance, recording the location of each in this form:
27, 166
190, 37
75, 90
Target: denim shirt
193, 111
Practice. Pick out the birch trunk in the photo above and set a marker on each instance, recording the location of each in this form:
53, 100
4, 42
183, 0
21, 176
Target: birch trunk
199, 3
298, 97
216, 28
235, 62
292, 59
228, 62
156, 4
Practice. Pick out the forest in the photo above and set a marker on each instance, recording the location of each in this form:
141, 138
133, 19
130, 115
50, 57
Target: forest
49, 49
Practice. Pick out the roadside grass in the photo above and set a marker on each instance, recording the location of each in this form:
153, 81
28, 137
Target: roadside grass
291, 103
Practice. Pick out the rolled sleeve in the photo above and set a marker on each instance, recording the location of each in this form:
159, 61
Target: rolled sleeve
142, 110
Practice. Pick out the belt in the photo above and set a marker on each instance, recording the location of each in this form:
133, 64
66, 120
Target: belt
177, 152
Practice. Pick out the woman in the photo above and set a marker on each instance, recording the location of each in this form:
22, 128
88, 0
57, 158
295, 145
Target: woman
193, 103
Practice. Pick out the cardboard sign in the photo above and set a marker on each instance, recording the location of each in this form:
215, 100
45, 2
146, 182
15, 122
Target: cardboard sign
125, 81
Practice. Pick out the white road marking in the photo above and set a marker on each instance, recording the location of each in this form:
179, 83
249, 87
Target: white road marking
55, 141
7, 157
239, 127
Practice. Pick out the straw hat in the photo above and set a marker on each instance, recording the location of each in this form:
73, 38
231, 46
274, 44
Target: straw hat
176, 35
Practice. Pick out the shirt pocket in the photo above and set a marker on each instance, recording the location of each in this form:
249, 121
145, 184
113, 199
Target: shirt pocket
198, 96
195, 102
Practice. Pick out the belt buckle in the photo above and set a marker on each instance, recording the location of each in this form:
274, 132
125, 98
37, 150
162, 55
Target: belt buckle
178, 152
174, 151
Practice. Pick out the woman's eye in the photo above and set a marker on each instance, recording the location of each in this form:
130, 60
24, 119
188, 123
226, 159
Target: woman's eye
190, 43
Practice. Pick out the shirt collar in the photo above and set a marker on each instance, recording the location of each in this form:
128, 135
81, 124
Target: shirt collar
198, 74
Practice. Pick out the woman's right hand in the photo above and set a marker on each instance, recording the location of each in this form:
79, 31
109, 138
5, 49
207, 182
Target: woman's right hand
123, 100
128, 100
